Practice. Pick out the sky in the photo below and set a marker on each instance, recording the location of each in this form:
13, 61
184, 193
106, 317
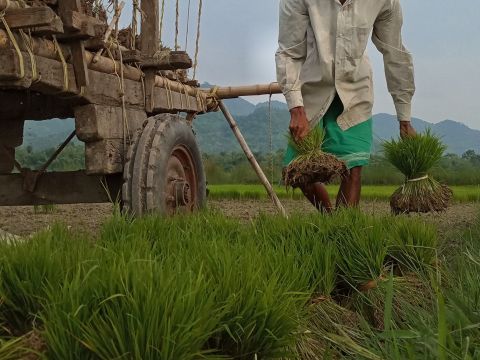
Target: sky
239, 39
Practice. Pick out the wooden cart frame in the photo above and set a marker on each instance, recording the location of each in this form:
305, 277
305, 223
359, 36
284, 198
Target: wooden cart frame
138, 150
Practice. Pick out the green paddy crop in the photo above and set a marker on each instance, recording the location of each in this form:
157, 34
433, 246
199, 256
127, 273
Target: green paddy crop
209, 287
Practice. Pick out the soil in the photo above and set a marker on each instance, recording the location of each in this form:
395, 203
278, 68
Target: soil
24, 221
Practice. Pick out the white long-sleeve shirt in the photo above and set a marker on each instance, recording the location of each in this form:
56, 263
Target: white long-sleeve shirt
322, 51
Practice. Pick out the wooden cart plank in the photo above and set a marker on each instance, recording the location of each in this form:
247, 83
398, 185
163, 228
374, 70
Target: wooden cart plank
98, 122
59, 188
29, 17
35, 106
104, 89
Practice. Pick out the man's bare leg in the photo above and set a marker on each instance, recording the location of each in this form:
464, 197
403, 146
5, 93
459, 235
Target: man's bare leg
350, 188
317, 194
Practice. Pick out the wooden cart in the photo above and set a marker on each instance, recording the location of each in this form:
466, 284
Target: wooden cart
57, 62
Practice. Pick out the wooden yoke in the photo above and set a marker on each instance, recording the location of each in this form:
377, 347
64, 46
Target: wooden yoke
150, 40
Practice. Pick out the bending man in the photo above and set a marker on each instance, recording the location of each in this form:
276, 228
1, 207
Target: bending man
326, 77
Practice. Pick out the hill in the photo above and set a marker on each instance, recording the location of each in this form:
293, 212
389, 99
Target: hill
215, 135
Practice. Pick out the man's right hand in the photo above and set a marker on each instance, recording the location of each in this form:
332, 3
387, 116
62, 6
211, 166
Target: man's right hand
299, 127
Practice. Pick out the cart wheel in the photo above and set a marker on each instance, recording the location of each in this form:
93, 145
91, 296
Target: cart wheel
163, 171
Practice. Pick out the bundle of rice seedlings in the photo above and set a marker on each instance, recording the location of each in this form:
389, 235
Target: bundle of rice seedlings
312, 164
413, 246
363, 243
415, 156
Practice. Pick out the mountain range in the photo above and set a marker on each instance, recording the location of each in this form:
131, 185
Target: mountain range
257, 122
215, 135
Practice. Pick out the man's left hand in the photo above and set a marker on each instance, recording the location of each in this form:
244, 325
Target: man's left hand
406, 129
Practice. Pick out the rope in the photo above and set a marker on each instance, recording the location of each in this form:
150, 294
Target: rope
197, 42
64, 63
15, 44
169, 94
272, 161
177, 24
188, 25
28, 45
161, 19
418, 179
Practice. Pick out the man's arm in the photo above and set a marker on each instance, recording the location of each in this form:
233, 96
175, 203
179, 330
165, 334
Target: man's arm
290, 57
387, 37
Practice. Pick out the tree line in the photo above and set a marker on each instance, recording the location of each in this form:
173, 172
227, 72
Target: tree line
234, 168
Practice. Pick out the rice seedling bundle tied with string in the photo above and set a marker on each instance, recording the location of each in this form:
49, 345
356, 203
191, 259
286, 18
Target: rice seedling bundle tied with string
312, 164
415, 156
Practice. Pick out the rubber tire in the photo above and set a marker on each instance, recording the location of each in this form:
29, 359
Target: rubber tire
144, 178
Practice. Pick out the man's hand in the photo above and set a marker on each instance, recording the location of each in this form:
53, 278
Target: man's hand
299, 127
406, 129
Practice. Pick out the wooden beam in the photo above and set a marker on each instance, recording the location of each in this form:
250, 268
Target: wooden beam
172, 61
46, 48
81, 26
35, 106
59, 188
150, 35
54, 28
98, 122
104, 88
150, 40
11, 66
7, 154
104, 157
29, 17
11, 130
79, 61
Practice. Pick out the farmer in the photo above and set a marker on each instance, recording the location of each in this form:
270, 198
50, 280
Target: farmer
326, 77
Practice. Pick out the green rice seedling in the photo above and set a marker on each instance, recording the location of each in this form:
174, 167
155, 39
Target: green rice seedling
132, 308
413, 245
28, 267
415, 156
362, 243
253, 284
305, 239
312, 164
262, 308
13, 349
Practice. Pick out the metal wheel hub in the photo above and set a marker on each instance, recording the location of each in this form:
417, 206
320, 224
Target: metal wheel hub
182, 181
182, 192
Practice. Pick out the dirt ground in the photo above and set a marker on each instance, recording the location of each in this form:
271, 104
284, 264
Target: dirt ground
24, 221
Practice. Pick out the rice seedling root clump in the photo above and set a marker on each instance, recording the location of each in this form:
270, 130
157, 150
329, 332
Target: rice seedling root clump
312, 164
437, 199
322, 168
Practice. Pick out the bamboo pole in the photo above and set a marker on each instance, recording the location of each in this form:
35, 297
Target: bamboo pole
252, 160
251, 90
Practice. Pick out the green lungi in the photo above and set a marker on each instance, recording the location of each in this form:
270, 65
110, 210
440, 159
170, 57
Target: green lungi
353, 146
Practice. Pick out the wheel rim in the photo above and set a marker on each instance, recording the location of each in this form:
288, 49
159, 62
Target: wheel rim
182, 182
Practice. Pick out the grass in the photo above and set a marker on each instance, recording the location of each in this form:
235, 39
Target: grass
209, 287
463, 194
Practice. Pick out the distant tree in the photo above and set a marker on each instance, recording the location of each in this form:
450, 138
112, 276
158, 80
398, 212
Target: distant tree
472, 156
